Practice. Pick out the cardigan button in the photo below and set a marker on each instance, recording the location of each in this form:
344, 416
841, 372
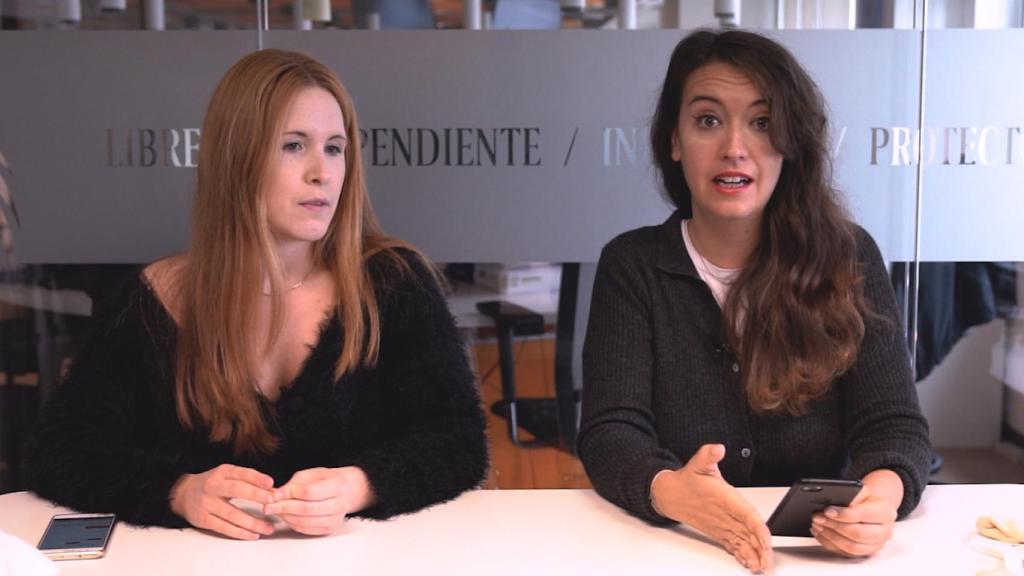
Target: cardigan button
735, 367
745, 452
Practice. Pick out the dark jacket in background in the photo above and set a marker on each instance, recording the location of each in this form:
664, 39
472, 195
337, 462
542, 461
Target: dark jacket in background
953, 297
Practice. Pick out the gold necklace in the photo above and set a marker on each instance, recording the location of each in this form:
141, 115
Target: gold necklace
297, 284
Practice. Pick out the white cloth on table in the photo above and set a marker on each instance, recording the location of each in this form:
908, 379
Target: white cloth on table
17, 558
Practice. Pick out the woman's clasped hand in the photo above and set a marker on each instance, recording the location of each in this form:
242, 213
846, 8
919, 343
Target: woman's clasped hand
316, 501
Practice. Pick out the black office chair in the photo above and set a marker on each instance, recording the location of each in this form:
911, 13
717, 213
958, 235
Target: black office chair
549, 419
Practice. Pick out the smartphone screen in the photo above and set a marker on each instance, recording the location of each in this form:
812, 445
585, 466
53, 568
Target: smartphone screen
808, 497
77, 535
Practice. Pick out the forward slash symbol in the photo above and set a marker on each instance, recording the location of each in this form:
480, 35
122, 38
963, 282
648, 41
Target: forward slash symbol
571, 144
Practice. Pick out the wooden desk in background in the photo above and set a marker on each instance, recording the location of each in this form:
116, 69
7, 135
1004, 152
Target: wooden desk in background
529, 533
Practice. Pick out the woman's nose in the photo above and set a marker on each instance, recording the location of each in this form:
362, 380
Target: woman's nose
314, 169
735, 145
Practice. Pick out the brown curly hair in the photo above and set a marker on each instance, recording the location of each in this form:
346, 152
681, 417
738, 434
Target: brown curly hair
795, 315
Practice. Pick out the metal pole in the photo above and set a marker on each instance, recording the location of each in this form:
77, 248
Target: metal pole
69, 11
473, 12
920, 182
627, 14
905, 311
153, 15
109, 5
261, 22
300, 21
728, 13
373, 20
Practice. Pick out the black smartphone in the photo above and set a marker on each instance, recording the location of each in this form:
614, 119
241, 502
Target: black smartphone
77, 536
792, 517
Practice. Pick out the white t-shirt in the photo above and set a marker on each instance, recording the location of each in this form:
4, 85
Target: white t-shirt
717, 278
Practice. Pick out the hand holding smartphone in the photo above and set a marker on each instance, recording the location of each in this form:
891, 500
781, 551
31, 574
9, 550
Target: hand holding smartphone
77, 536
792, 517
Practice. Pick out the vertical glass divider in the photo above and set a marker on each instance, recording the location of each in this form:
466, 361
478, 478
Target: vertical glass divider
919, 153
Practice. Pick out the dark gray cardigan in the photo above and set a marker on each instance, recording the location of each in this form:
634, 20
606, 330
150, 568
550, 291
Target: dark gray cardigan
660, 381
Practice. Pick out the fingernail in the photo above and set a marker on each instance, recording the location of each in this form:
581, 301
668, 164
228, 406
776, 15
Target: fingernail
817, 520
831, 512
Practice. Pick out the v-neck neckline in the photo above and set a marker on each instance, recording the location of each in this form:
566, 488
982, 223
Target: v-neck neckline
285, 391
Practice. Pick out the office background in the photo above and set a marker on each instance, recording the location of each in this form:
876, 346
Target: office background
520, 140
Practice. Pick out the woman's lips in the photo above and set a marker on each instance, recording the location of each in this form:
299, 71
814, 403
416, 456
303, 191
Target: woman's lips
315, 205
732, 183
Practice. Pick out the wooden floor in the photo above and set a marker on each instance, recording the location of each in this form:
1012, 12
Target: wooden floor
516, 467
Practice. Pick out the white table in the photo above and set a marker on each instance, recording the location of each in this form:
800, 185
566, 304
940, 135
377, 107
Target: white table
527, 533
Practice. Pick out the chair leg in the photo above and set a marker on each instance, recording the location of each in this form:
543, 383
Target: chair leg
507, 359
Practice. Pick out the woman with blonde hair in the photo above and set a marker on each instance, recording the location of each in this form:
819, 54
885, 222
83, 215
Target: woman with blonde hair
295, 356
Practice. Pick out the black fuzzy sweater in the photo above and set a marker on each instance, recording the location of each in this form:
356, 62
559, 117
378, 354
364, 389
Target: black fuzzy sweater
660, 381
110, 439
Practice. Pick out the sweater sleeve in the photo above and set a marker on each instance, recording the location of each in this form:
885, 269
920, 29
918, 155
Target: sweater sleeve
617, 443
885, 427
437, 448
97, 447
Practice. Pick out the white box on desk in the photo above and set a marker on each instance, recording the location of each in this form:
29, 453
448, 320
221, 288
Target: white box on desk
518, 278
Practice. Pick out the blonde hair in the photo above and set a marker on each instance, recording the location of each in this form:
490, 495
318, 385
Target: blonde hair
232, 249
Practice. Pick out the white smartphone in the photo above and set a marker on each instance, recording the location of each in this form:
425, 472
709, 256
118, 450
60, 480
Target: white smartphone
77, 536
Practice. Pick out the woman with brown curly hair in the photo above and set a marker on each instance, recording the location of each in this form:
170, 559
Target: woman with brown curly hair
752, 339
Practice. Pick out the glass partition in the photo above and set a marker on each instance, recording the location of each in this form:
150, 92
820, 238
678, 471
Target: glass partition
508, 152
967, 328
